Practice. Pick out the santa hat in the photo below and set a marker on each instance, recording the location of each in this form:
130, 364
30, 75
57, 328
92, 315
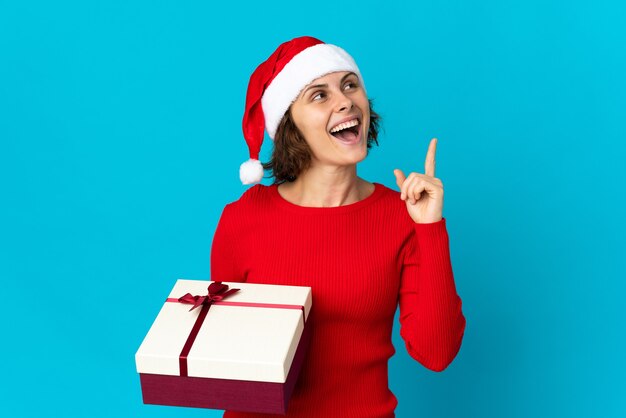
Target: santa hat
277, 82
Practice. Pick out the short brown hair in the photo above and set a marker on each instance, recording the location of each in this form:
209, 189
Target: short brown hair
292, 155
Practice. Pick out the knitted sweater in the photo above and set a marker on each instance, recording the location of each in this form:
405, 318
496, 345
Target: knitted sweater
361, 260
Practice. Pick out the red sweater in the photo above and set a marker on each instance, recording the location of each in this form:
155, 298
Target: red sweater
361, 260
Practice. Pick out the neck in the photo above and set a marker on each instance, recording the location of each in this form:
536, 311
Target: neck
324, 187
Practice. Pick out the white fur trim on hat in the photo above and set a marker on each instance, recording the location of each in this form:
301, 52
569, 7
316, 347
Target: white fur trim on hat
251, 171
311, 63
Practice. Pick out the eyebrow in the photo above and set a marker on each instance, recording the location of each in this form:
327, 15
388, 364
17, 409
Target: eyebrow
325, 85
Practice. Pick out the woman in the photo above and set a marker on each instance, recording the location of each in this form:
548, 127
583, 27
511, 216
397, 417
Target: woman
363, 248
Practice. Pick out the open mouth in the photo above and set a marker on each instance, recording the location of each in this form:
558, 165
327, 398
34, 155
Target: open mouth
348, 132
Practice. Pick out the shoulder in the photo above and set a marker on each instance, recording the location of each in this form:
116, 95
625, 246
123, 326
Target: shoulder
394, 207
398, 216
252, 196
388, 192
248, 209
390, 196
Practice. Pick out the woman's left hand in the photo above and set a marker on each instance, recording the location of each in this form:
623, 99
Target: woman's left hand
423, 193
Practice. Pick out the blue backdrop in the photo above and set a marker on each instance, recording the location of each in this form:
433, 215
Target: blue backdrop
120, 129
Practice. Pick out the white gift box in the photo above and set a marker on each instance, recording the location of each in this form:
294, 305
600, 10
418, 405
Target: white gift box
246, 354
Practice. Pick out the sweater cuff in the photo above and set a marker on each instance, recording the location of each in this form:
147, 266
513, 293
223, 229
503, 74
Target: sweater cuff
429, 232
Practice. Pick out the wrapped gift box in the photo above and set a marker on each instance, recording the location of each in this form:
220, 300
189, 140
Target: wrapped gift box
238, 350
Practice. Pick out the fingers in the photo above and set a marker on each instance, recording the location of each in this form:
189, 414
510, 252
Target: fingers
400, 177
414, 190
408, 191
404, 188
429, 165
415, 184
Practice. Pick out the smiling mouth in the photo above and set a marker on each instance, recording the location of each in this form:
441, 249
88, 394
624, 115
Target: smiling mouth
350, 135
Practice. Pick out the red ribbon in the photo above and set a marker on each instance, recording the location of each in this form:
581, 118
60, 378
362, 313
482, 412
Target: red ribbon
217, 292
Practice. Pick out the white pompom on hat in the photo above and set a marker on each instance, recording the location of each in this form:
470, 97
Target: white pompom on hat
275, 85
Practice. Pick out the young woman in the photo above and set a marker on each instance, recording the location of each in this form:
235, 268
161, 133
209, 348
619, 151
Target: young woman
363, 248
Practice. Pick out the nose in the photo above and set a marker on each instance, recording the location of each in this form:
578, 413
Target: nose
343, 103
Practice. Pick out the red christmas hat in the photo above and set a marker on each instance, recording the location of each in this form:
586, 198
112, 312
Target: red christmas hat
277, 82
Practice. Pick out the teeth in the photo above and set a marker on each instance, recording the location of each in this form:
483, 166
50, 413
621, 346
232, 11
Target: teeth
349, 124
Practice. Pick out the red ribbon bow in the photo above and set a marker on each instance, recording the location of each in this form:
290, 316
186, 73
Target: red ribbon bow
217, 292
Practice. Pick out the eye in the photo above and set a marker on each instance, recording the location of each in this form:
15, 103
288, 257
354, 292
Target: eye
352, 83
319, 93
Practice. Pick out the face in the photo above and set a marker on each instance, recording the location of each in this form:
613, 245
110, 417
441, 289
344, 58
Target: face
321, 107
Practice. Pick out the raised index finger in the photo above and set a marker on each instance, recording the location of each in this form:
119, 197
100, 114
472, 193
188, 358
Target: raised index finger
429, 166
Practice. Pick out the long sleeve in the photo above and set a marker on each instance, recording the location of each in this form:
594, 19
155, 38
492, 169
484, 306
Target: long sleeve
432, 324
224, 265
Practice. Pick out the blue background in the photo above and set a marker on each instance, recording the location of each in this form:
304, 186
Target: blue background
120, 129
